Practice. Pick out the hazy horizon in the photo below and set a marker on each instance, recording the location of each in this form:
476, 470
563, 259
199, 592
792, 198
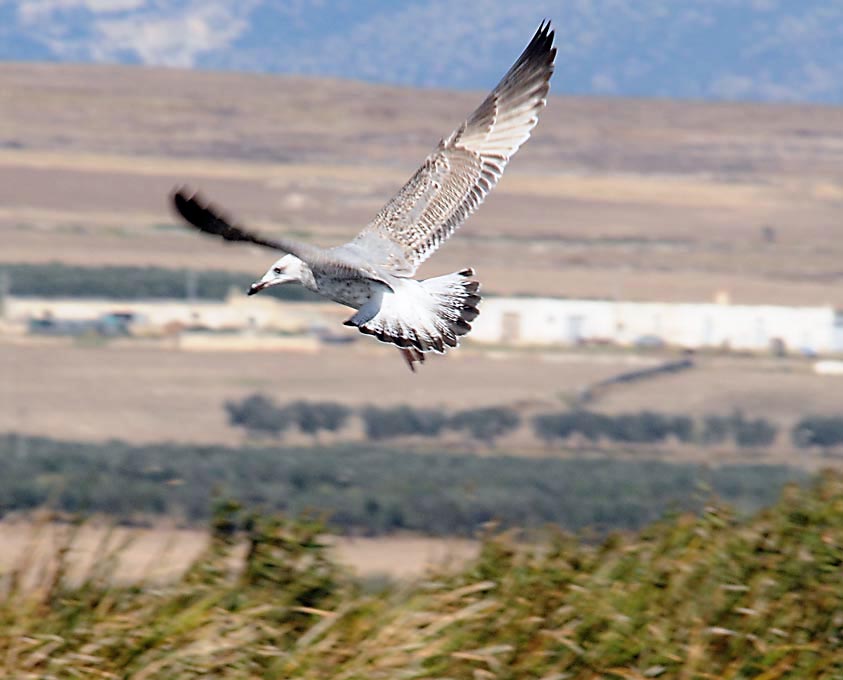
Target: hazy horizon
744, 50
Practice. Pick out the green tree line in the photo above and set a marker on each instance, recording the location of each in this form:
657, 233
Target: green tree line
55, 280
647, 427
259, 415
364, 488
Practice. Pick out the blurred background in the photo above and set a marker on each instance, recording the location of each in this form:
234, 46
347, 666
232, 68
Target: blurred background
661, 266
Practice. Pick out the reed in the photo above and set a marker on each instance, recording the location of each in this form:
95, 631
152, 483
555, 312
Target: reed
691, 596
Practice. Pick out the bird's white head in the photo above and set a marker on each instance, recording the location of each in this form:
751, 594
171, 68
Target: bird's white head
287, 269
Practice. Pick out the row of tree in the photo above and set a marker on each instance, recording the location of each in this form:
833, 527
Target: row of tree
260, 415
483, 424
647, 427
822, 431
132, 283
365, 488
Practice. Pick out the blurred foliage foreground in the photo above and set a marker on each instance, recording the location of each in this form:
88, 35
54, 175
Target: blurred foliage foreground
706, 596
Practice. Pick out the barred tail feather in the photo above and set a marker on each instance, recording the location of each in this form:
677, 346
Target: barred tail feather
423, 316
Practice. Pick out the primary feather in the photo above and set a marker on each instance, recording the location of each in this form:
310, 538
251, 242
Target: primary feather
453, 181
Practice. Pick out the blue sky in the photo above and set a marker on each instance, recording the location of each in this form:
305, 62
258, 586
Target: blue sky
780, 50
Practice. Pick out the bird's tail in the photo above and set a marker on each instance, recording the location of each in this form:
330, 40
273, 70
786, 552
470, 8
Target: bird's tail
454, 300
424, 316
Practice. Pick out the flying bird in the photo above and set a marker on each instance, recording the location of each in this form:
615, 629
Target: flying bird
373, 273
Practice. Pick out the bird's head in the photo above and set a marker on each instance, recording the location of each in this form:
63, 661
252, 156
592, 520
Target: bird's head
285, 270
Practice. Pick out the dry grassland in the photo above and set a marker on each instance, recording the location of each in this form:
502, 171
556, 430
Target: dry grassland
612, 198
162, 554
66, 391
154, 395
622, 198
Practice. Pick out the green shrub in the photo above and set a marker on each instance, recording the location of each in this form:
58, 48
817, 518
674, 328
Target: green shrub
401, 421
824, 431
754, 433
134, 283
647, 427
486, 424
313, 417
258, 415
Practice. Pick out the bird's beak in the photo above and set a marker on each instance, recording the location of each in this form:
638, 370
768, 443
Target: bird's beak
269, 279
256, 287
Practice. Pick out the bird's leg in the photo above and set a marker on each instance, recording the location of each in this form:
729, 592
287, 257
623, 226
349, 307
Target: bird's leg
408, 357
411, 356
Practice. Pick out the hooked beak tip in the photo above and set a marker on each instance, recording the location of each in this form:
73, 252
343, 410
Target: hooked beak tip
255, 288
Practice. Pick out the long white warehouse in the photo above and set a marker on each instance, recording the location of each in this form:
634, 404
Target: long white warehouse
550, 321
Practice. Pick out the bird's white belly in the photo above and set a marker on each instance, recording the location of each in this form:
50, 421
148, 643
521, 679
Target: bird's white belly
351, 292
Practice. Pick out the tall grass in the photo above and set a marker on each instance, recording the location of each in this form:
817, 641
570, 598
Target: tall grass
706, 596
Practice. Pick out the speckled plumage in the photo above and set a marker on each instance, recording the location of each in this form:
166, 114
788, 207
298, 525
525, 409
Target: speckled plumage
372, 273
349, 292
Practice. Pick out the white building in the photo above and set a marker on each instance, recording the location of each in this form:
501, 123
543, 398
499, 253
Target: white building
548, 321
502, 321
238, 312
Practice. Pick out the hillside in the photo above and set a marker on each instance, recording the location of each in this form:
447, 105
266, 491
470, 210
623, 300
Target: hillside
753, 49
695, 597
640, 199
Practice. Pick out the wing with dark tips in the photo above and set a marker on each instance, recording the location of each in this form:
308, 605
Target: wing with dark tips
208, 219
457, 176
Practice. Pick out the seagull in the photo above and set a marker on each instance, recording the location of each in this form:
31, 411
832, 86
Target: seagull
373, 273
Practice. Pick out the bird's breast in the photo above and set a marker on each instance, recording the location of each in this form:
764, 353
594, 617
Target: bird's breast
351, 292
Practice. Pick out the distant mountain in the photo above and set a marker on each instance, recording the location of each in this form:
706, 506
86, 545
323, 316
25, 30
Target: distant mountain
709, 49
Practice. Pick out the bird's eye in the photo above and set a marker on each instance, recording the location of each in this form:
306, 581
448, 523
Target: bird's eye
277, 270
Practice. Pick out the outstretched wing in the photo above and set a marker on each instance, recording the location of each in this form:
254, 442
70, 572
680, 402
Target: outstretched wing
456, 177
208, 219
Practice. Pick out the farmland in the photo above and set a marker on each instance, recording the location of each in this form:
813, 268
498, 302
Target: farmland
626, 199
637, 199
143, 393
